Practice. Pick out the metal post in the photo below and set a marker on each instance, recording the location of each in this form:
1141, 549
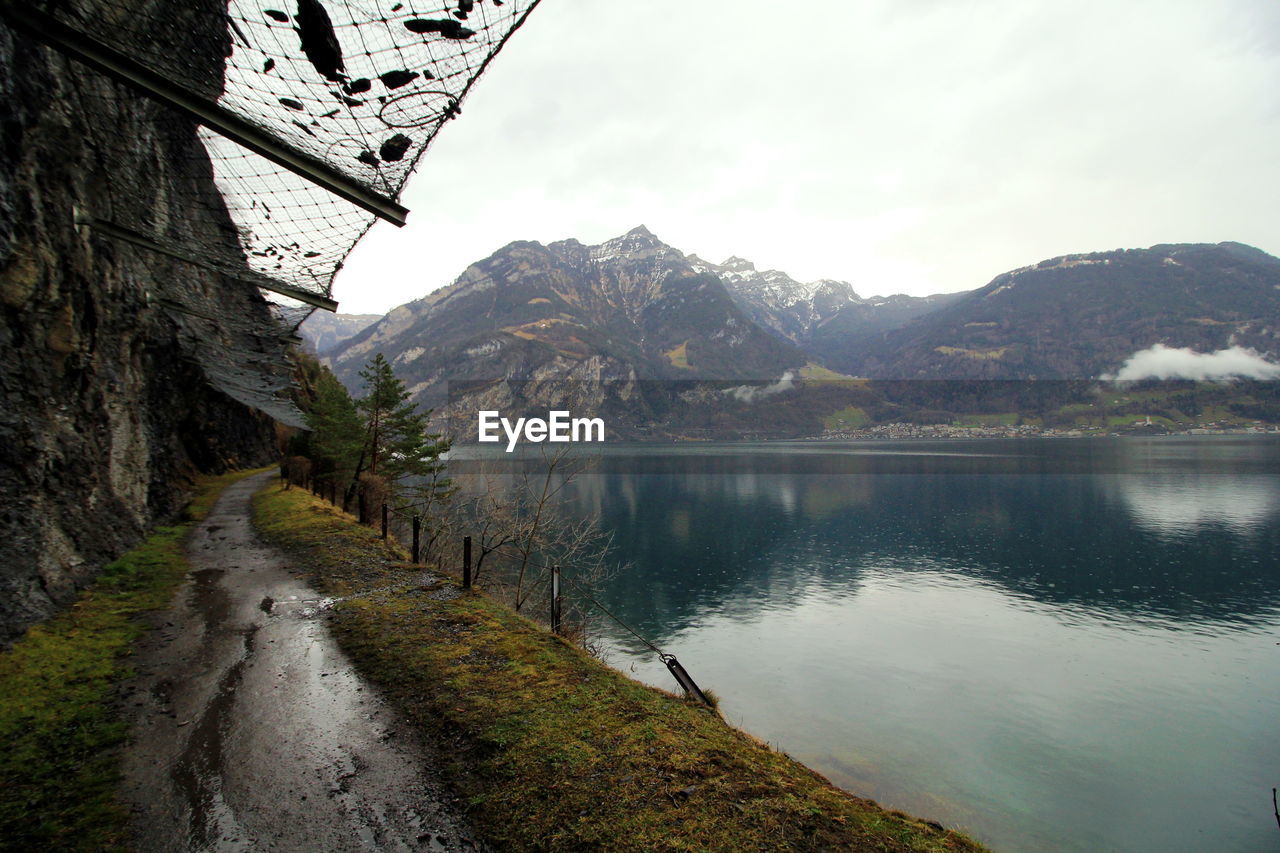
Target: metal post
685, 680
417, 529
466, 562
555, 599
384, 521
128, 235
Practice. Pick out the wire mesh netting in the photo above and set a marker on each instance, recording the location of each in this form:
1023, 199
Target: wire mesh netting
353, 91
362, 87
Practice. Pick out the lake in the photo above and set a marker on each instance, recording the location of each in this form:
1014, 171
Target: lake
1055, 645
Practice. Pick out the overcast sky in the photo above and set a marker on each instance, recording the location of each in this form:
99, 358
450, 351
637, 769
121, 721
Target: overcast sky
906, 146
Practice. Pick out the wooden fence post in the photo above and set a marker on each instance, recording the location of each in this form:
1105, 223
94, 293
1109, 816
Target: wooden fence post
384, 521
555, 599
417, 529
466, 562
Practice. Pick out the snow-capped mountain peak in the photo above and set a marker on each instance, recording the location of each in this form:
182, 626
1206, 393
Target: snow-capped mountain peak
736, 264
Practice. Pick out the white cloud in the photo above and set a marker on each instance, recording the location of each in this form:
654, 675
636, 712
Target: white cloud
751, 393
1162, 362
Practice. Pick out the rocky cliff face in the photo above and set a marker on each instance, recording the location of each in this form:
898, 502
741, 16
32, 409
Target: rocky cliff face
777, 301
106, 411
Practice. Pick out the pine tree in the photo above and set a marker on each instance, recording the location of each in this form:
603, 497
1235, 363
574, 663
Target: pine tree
396, 445
337, 431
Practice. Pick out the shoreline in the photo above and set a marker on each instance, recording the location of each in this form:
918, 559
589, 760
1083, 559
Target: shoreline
553, 749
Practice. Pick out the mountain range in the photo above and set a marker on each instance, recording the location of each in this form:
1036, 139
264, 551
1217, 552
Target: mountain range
325, 331
1082, 316
634, 308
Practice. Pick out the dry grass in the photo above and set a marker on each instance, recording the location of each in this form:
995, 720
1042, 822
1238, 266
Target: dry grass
552, 749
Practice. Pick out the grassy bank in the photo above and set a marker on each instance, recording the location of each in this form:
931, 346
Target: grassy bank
58, 723
552, 749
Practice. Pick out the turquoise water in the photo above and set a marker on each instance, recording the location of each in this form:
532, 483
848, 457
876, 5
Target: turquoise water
1054, 645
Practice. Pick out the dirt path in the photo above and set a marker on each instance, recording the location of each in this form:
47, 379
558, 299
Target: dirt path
251, 729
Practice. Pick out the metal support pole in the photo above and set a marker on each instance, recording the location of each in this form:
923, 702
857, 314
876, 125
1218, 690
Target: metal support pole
417, 530
555, 599
384, 521
250, 276
466, 562
685, 680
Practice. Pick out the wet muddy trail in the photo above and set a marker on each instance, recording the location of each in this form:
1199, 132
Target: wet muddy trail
251, 729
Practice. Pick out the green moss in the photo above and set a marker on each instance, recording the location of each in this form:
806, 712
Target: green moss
59, 769
552, 749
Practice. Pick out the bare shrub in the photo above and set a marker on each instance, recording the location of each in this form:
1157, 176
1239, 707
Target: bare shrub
374, 492
297, 470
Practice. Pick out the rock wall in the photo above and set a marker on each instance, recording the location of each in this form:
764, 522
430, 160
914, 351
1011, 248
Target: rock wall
106, 413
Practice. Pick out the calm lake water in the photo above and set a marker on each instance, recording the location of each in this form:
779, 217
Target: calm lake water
1055, 645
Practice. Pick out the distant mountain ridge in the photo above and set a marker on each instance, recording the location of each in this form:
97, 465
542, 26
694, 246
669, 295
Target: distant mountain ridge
775, 300
1080, 316
324, 331
817, 315
634, 308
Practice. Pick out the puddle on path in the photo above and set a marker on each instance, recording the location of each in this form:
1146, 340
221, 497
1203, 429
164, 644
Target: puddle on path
252, 731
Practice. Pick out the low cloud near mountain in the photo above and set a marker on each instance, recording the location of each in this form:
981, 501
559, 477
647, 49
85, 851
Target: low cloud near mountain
1163, 362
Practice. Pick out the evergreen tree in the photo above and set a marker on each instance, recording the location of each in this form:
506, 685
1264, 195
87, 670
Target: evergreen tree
380, 434
337, 431
396, 445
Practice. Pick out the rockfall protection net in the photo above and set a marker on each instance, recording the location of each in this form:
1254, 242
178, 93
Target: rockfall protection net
352, 90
